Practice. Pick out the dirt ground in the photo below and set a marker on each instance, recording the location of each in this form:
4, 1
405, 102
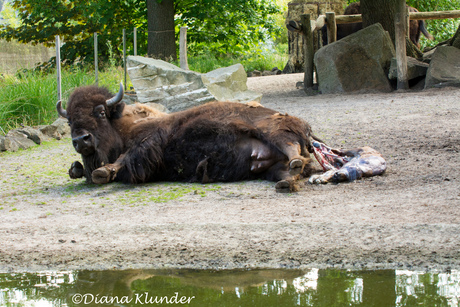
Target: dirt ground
407, 218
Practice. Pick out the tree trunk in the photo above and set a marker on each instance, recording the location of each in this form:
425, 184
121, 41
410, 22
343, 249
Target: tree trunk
161, 36
455, 40
383, 11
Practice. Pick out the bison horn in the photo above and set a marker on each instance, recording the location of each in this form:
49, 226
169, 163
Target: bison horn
117, 98
60, 110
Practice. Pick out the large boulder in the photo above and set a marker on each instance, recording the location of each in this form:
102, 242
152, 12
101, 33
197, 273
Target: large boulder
444, 68
161, 82
157, 81
229, 84
6, 144
33, 134
415, 69
19, 140
357, 63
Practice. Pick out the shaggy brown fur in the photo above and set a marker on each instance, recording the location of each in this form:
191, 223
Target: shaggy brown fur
219, 141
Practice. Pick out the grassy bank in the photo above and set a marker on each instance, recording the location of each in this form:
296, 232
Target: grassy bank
29, 98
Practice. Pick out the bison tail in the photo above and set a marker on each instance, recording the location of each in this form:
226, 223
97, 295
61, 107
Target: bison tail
424, 30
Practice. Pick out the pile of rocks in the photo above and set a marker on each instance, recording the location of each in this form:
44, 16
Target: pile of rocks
365, 61
26, 137
258, 73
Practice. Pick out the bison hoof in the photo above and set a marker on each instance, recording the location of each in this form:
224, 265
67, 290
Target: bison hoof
101, 175
76, 170
295, 167
283, 186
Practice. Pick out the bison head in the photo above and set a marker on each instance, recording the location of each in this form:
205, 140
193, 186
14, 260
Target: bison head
91, 112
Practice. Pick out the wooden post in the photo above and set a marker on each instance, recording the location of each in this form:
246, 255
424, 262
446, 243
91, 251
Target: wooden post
95, 59
183, 48
124, 55
58, 67
308, 53
135, 41
400, 44
407, 20
331, 27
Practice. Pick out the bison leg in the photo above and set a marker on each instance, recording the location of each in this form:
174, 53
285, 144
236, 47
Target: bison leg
107, 173
76, 170
297, 162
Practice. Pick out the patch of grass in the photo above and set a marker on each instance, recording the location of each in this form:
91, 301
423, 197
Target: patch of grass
29, 98
264, 59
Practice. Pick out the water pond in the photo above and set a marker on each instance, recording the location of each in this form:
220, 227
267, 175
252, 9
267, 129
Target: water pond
312, 287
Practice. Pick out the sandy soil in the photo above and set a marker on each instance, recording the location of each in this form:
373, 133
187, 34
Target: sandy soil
407, 218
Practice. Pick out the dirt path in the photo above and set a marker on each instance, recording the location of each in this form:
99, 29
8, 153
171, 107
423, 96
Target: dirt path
409, 217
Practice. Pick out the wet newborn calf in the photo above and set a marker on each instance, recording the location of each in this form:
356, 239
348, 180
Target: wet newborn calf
346, 165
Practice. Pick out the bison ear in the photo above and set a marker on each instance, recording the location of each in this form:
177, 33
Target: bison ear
116, 111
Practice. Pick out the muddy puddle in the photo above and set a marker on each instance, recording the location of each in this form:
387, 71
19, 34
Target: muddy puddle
313, 287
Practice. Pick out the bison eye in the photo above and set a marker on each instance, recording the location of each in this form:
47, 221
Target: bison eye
99, 112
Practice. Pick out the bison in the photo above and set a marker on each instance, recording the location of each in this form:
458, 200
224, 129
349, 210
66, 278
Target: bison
415, 26
217, 141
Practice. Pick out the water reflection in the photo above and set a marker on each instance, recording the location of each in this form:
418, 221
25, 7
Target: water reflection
231, 288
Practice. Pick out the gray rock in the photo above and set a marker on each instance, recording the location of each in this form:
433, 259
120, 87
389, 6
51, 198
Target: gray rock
20, 138
62, 126
160, 82
229, 84
129, 98
2, 143
444, 68
415, 69
33, 134
356, 63
50, 131
6, 144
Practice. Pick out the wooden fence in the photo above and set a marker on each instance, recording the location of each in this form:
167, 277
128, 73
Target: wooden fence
307, 26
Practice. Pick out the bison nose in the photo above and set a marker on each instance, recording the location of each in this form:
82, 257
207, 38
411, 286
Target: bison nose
83, 144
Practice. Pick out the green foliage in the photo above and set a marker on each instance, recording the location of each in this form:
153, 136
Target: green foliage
441, 29
227, 27
266, 59
75, 22
218, 27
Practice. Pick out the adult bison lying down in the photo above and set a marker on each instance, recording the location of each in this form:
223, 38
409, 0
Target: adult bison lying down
218, 141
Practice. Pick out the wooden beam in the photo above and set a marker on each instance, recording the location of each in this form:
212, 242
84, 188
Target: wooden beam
434, 15
348, 18
340, 19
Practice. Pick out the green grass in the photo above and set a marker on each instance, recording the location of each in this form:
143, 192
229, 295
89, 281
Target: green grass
29, 98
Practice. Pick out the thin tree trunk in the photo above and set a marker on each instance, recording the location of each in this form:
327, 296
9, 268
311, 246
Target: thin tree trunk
455, 40
383, 12
161, 36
